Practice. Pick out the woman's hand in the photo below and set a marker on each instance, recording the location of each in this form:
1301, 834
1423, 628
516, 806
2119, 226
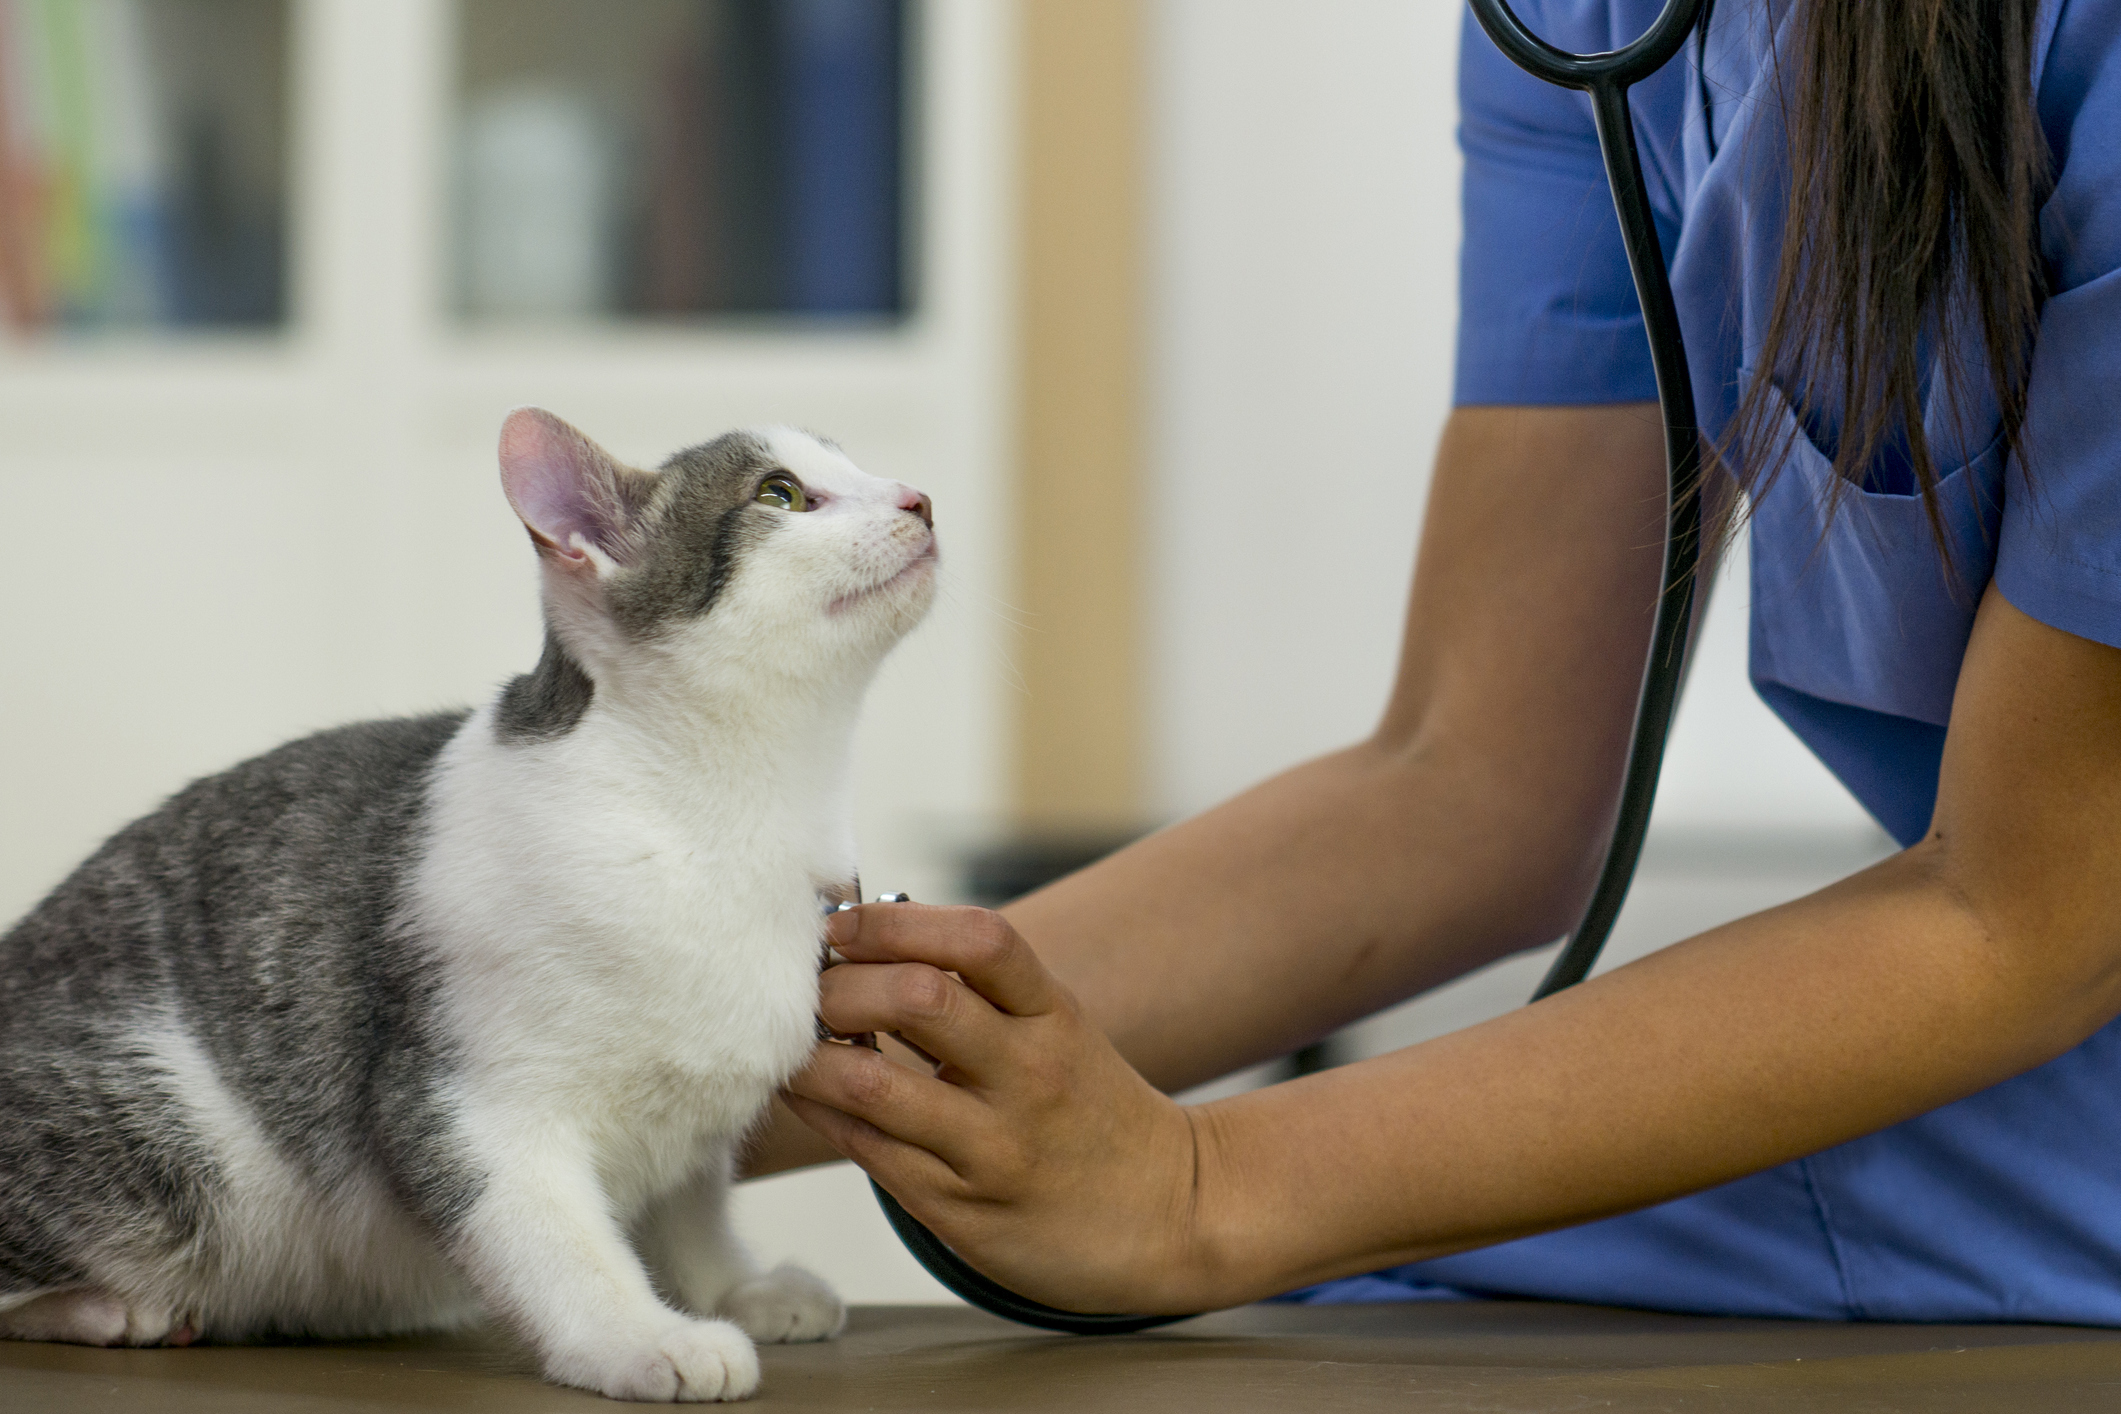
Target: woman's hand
1034, 1150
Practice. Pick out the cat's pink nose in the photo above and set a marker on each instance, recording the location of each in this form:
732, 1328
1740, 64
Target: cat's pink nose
918, 503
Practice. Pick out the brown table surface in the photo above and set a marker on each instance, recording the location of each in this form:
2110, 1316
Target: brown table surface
1493, 1357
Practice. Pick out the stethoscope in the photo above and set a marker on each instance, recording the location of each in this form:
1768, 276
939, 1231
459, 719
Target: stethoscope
1606, 78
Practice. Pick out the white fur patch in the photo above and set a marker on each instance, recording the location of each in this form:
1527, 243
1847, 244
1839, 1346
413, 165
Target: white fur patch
282, 1253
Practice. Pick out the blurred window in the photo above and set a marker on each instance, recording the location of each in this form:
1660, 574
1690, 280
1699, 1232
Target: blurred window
143, 162
680, 158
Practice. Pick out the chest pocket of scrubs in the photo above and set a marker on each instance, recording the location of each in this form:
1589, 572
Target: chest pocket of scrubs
1861, 610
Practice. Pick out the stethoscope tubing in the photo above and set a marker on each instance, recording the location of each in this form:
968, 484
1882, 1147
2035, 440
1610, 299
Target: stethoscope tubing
1606, 78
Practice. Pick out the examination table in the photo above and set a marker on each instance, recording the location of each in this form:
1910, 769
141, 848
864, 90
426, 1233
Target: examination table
1496, 1357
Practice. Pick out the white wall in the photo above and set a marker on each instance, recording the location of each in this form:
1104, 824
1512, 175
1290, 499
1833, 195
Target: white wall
1304, 270
1305, 225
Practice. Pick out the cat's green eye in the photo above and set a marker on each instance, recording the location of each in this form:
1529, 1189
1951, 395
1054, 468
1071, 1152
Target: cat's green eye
783, 491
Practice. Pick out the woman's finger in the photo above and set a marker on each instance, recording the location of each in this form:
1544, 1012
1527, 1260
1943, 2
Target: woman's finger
976, 943
900, 1167
928, 1009
900, 1102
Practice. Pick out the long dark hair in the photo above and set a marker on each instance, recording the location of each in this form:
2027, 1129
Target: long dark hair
1916, 168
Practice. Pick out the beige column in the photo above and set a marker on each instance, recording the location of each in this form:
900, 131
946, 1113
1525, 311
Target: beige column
1080, 729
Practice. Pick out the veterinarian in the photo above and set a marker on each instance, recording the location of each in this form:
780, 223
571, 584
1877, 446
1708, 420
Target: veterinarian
1894, 228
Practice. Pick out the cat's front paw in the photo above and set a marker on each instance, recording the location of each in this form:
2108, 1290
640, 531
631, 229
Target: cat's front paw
685, 1361
785, 1304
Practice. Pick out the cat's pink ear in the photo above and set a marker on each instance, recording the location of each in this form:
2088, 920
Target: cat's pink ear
578, 503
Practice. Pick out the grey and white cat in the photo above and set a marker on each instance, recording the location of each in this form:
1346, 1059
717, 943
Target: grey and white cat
417, 1019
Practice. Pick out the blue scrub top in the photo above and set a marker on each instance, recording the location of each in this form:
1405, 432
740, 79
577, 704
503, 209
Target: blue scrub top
2005, 1205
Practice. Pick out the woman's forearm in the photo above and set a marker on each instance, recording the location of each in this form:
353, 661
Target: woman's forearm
1468, 827
1762, 1041
1991, 947
1308, 902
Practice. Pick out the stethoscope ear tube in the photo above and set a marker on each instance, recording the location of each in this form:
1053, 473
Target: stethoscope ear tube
1606, 78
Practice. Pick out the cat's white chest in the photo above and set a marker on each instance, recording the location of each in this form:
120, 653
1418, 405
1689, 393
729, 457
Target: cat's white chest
642, 963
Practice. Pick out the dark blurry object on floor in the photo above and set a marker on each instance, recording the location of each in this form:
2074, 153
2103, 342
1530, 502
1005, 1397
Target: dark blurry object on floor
143, 162
1022, 863
753, 156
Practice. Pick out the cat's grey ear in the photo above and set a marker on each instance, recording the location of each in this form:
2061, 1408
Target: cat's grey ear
582, 508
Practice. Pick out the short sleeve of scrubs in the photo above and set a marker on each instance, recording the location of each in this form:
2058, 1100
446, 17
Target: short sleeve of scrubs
1858, 636
1547, 310
2059, 555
